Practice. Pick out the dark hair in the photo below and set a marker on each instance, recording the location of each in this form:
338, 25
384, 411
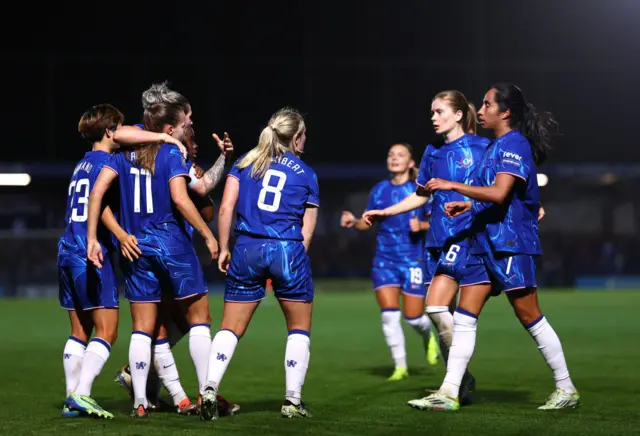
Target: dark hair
155, 118
413, 172
539, 127
458, 102
96, 120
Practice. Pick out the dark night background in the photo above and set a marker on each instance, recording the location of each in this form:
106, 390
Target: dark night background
363, 72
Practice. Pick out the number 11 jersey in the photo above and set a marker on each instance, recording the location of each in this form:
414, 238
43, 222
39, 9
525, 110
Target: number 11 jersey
273, 206
146, 209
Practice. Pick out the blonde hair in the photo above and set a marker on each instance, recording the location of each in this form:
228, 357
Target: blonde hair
458, 102
275, 140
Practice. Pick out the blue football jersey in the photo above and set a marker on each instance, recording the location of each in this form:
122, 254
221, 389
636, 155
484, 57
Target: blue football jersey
74, 240
274, 205
512, 226
395, 240
455, 162
146, 209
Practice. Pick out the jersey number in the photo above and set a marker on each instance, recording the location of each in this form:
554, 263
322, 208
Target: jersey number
275, 190
452, 254
136, 189
82, 188
416, 275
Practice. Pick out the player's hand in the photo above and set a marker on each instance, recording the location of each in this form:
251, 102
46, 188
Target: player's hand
199, 171
347, 219
225, 145
439, 185
541, 213
372, 215
129, 247
415, 225
224, 260
456, 208
94, 252
212, 246
168, 139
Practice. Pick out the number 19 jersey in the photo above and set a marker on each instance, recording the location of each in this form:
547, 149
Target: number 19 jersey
273, 206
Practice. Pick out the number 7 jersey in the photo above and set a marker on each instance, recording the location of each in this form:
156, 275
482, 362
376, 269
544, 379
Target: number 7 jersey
273, 206
74, 240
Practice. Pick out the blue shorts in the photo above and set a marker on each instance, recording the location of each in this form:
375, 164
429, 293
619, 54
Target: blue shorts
253, 261
408, 276
179, 275
82, 286
455, 262
509, 271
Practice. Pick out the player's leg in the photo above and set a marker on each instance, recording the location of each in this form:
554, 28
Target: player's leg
442, 292
142, 289
103, 292
524, 300
465, 320
174, 328
244, 289
293, 286
81, 327
165, 370
414, 293
388, 298
235, 319
189, 287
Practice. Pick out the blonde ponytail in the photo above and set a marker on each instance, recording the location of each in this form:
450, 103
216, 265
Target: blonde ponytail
275, 140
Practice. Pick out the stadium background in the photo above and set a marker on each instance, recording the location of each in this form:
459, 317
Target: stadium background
364, 73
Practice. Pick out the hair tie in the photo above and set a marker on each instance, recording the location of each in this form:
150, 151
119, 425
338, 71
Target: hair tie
272, 127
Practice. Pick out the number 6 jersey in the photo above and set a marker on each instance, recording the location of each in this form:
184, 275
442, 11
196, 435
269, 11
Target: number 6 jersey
273, 206
146, 209
73, 242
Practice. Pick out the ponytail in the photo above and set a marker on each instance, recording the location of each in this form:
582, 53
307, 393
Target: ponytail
539, 127
275, 140
471, 120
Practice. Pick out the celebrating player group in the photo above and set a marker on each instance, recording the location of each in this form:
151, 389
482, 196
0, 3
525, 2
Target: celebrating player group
465, 221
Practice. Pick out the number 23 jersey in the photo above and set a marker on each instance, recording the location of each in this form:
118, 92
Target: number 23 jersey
273, 206
73, 242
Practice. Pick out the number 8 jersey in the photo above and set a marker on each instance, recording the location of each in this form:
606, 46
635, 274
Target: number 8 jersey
73, 242
146, 209
273, 206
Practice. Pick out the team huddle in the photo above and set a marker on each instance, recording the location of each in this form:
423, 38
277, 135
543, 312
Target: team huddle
465, 221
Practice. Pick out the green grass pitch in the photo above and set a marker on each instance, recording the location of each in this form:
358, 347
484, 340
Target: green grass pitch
346, 386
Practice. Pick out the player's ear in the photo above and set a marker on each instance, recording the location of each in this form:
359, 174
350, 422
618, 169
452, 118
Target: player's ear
459, 115
506, 114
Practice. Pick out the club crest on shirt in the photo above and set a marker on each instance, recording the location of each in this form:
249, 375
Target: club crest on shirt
466, 162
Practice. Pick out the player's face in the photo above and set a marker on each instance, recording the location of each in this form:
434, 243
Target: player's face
190, 142
189, 113
399, 159
489, 114
178, 131
444, 118
300, 139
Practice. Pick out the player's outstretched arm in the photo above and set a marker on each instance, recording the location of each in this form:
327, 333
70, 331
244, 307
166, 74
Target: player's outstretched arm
349, 220
132, 136
309, 221
213, 175
105, 179
496, 193
412, 202
180, 197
